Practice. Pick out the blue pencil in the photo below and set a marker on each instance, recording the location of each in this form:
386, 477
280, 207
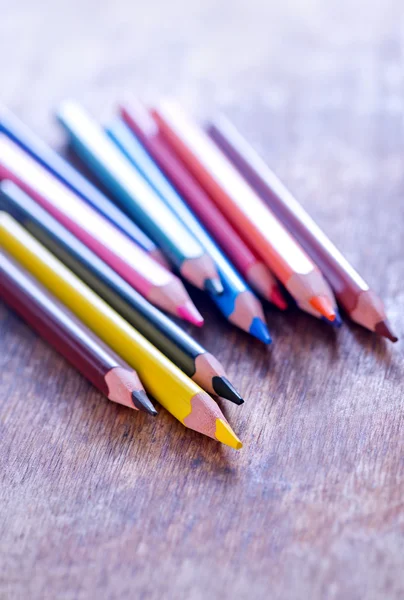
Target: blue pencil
58, 166
138, 198
237, 302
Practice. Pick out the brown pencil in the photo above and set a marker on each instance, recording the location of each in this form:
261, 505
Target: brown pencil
352, 292
55, 324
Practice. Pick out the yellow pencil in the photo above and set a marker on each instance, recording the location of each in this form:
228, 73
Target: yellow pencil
183, 398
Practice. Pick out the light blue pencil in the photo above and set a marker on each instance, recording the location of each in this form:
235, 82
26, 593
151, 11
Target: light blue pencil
237, 302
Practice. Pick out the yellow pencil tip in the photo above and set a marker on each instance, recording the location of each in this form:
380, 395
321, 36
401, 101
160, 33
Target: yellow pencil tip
226, 435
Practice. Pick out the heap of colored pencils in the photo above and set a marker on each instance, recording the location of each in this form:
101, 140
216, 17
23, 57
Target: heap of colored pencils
91, 273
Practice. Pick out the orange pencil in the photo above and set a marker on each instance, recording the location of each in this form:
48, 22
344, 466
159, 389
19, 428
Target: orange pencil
248, 214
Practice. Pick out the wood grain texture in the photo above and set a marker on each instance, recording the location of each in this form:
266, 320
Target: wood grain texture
96, 502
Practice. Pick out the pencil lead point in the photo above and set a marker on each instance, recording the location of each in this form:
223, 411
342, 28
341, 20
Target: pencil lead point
190, 313
323, 306
277, 298
337, 323
226, 435
225, 389
142, 402
383, 328
259, 329
214, 287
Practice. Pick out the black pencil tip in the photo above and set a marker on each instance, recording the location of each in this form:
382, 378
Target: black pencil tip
224, 388
142, 402
214, 286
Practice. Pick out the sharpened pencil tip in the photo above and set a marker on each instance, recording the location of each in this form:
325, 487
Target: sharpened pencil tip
226, 435
142, 402
276, 298
224, 388
214, 287
190, 313
259, 329
323, 306
337, 323
383, 328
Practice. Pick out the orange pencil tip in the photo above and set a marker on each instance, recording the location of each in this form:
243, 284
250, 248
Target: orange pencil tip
324, 307
190, 313
277, 299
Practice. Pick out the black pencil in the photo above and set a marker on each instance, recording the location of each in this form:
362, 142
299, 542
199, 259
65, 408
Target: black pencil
175, 343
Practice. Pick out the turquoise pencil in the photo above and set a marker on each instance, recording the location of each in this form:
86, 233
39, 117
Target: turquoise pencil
58, 166
138, 199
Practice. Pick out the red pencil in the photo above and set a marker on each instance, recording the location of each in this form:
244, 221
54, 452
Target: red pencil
254, 270
55, 324
247, 212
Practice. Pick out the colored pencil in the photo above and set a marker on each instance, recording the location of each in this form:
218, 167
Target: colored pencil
183, 398
138, 198
103, 368
251, 267
72, 178
251, 217
249, 315
352, 292
150, 278
175, 343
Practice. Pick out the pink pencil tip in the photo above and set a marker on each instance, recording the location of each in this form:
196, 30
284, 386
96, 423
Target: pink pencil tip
277, 298
190, 313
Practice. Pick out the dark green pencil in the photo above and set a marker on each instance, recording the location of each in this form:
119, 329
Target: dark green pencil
175, 343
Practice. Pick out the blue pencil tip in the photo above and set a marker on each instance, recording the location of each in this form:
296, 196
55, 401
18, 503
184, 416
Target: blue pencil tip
338, 321
260, 330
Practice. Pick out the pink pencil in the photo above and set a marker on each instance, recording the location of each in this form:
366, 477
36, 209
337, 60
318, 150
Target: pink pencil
244, 259
148, 277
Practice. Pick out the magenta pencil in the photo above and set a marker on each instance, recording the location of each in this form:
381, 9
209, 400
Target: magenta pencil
148, 277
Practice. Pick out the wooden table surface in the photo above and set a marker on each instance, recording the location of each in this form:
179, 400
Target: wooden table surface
98, 502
